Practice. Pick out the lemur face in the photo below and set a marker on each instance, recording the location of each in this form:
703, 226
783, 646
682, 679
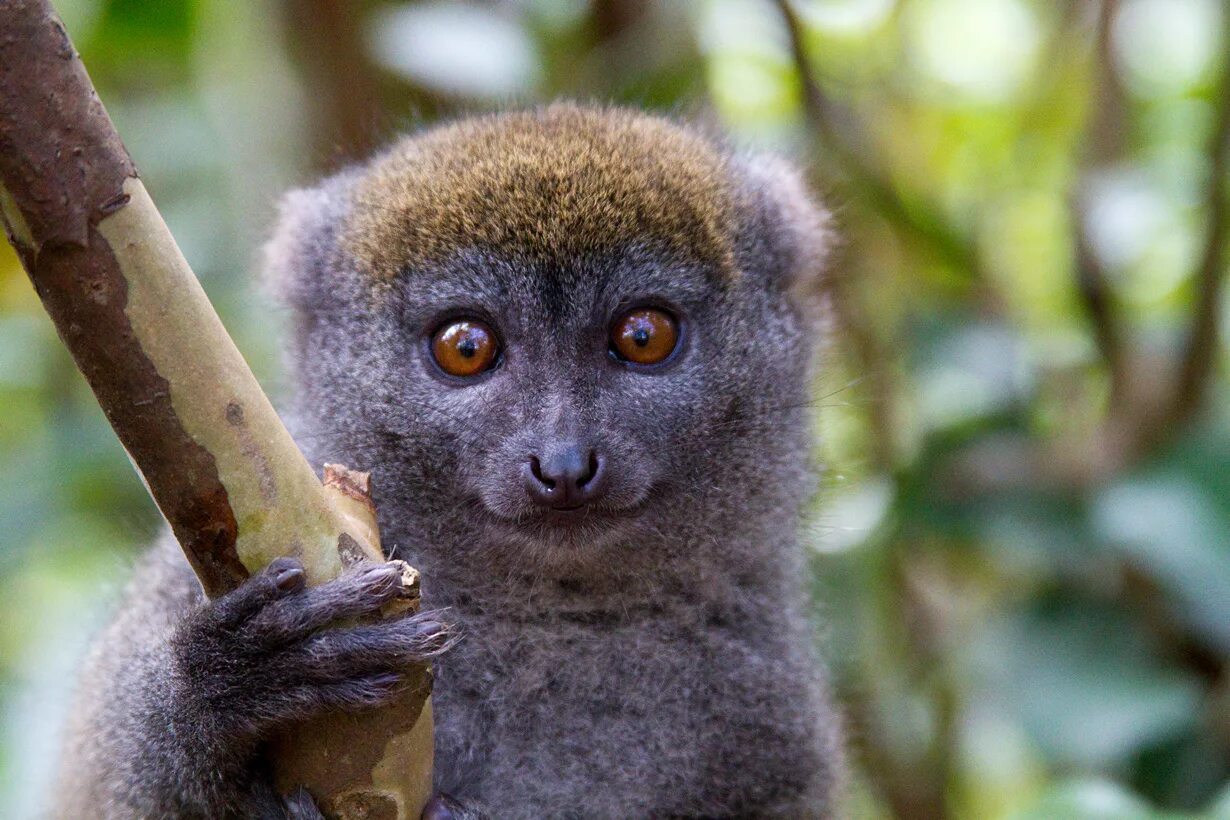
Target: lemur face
557, 321
575, 397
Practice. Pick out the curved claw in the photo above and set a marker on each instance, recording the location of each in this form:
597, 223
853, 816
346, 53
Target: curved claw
446, 807
301, 806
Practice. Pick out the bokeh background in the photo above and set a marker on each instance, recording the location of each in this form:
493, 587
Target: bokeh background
1021, 550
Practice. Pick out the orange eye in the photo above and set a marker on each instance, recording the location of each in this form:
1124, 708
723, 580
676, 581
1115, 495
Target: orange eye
644, 336
464, 348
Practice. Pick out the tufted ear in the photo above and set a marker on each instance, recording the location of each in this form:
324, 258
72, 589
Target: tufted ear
799, 228
301, 256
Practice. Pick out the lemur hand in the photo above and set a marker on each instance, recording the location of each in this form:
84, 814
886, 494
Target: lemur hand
445, 807
259, 658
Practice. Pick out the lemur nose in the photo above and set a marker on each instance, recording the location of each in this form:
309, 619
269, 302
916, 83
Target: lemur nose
566, 477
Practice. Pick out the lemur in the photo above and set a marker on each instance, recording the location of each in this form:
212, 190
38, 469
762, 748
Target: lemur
573, 345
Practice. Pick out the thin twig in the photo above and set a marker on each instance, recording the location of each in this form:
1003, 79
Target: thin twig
848, 143
1104, 140
1200, 351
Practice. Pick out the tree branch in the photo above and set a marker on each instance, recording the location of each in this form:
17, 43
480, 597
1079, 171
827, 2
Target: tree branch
1103, 145
838, 129
345, 91
1200, 352
222, 468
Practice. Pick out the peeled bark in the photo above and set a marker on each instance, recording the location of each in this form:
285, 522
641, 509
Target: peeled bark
214, 455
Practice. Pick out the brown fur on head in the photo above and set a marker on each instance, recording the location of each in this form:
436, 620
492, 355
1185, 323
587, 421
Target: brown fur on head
548, 185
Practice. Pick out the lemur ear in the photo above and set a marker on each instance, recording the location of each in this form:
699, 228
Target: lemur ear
302, 247
799, 227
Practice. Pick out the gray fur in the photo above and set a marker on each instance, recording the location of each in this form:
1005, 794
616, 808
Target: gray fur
654, 661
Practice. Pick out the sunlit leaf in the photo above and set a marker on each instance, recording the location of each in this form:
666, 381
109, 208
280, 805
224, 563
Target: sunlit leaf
1088, 800
1172, 528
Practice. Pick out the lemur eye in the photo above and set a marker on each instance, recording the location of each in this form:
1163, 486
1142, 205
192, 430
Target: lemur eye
464, 348
644, 336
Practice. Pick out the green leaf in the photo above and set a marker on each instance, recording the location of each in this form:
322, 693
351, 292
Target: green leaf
1087, 800
1084, 683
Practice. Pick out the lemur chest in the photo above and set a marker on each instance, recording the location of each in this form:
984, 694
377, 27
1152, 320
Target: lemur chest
617, 719
596, 668
651, 693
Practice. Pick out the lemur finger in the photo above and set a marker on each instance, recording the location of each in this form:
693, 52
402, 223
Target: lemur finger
281, 577
262, 802
389, 645
446, 807
360, 693
301, 806
361, 590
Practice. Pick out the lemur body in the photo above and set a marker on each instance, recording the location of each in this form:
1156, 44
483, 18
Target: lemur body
616, 540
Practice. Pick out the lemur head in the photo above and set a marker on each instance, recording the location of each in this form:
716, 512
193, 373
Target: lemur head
555, 331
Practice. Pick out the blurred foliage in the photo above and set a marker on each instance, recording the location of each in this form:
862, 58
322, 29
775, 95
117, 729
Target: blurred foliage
1022, 545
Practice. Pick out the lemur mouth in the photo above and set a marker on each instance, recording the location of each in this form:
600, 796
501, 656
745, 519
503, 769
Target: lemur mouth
578, 521
573, 515
573, 520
